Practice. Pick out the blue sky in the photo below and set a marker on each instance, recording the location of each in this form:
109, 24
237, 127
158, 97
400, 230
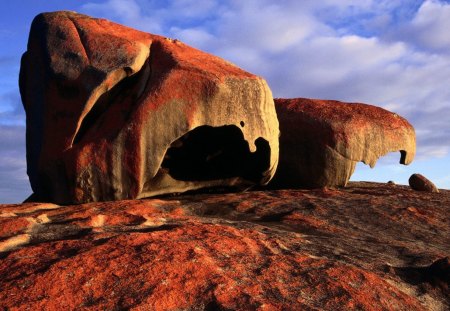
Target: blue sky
390, 53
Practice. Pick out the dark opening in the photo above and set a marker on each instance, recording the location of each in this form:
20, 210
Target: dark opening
210, 153
402, 156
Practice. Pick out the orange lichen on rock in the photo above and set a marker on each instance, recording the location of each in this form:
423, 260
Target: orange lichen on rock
199, 265
271, 250
322, 140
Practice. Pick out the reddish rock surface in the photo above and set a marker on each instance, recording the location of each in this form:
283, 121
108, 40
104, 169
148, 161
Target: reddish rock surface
365, 247
110, 109
322, 140
421, 183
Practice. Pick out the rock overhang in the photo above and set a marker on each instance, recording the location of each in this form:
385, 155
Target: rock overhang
111, 100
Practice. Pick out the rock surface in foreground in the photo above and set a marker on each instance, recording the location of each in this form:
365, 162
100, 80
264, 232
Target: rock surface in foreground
115, 113
322, 140
365, 247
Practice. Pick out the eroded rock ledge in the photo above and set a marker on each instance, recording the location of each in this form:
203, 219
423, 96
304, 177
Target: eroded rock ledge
365, 247
322, 140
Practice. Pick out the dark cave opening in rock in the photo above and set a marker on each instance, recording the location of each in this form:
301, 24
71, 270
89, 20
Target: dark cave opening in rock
212, 153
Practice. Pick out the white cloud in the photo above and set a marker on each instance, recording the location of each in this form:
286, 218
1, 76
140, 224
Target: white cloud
429, 28
127, 12
197, 35
191, 8
432, 152
270, 28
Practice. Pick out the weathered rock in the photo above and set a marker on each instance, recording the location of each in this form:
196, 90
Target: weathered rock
322, 140
116, 113
365, 247
421, 183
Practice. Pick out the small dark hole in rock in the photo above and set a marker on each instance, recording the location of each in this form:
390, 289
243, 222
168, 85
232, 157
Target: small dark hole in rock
211, 153
71, 55
242, 123
128, 71
402, 156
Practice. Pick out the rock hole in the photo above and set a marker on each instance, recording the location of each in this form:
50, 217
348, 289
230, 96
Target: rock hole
402, 156
128, 71
242, 123
212, 153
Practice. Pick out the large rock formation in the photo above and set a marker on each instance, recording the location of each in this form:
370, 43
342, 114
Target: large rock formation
322, 140
364, 247
116, 113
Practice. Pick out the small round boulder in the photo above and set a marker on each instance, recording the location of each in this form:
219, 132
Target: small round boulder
421, 183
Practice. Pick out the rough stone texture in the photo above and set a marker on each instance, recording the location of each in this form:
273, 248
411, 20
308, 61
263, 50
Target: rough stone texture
108, 108
365, 247
322, 140
421, 183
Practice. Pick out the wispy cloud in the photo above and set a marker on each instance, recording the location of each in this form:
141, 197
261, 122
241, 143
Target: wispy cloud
428, 29
7, 60
14, 186
11, 110
128, 12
